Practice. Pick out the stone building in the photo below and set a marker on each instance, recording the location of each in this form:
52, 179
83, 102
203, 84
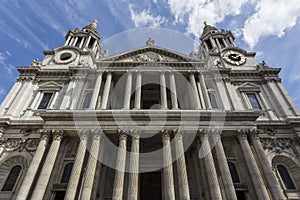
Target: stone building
149, 123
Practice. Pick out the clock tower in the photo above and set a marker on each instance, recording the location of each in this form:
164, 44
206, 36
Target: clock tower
219, 49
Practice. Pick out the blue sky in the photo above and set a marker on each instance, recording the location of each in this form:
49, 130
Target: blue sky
269, 27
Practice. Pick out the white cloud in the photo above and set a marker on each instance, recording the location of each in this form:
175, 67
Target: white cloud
198, 11
145, 18
271, 18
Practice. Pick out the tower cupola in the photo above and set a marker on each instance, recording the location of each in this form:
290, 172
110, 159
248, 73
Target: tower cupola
87, 39
213, 40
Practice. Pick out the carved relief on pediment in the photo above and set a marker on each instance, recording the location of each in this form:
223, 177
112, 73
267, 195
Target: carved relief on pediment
149, 57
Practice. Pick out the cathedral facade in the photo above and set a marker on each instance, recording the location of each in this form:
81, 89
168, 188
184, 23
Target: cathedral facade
149, 124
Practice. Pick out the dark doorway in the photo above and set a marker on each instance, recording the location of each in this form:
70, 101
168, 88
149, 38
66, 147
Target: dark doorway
150, 186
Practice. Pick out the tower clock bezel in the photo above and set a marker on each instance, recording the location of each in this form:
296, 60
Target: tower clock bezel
234, 57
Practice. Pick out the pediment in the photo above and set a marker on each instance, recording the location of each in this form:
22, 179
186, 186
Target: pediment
249, 87
151, 54
51, 85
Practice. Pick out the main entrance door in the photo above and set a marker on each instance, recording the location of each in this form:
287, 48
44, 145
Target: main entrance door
150, 186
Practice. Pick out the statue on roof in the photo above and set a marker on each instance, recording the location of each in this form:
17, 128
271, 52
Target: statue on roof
150, 41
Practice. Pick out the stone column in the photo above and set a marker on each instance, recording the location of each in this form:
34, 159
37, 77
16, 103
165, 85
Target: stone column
133, 185
96, 91
168, 169
68, 40
77, 166
41, 185
66, 102
173, 91
91, 166
138, 91
224, 169
120, 168
204, 91
9, 99
106, 91
127, 95
184, 192
211, 172
34, 165
163, 91
273, 183
195, 91
254, 172
1, 140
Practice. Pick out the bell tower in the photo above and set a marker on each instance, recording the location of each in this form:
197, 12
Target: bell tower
213, 40
87, 39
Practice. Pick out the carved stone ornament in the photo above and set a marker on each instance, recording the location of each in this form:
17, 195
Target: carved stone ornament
19, 144
276, 144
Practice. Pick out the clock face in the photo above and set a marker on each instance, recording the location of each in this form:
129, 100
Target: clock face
234, 58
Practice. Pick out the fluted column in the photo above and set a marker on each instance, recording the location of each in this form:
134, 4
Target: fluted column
133, 185
120, 167
163, 91
204, 91
168, 169
45, 174
224, 169
96, 91
184, 192
138, 91
254, 172
173, 91
77, 166
34, 165
195, 92
106, 91
211, 172
127, 95
1, 139
91, 165
273, 183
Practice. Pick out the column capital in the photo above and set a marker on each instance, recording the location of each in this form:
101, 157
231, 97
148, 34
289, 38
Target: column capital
122, 134
165, 134
45, 134
135, 134
57, 134
177, 133
96, 134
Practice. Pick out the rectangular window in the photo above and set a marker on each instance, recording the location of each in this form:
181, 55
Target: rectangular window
45, 100
253, 101
213, 100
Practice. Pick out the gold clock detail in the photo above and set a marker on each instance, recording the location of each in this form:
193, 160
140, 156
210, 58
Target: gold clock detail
234, 57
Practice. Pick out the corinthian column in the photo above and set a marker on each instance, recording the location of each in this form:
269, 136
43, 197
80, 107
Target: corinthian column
127, 95
91, 166
273, 183
41, 185
34, 165
168, 169
184, 192
173, 91
120, 168
254, 172
138, 91
77, 167
224, 169
212, 177
195, 92
133, 185
96, 91
106, 91
163, 91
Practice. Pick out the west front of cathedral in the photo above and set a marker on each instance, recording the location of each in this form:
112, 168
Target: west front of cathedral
149, 124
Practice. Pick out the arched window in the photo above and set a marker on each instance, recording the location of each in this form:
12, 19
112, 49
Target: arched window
12, 178
213, 100
66, 173
285, 177
87, 100
233, 172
